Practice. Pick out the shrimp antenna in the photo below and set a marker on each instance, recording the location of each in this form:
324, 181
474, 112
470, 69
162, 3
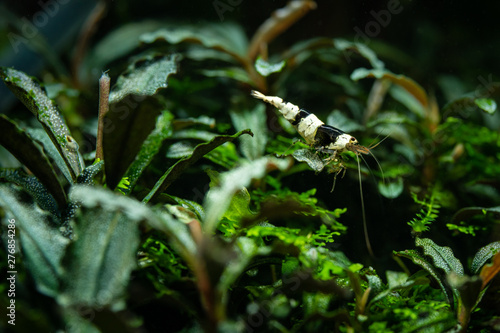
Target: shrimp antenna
365, 228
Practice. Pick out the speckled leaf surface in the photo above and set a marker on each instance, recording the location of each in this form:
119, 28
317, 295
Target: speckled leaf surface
145, 76
441, 255
35, 99
98, 263
41, 243
149, 149
31, 154
483, 255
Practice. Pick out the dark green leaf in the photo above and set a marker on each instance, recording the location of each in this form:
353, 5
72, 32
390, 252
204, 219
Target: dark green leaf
219, 198
226, 37
417, 259
29, 153
144, 77
178, 168
252, 147
35, 99
88, 174
33, 186
442, 256
126, 126
48, 146
149, 149
348, 47
483, 256
99, 261
41, 242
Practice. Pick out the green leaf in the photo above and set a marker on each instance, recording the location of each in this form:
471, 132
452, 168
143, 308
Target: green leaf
346, 46
41, 242
255, 146
227, 37
265, 68
127, 124
235, 73
310, 157
417, 259
339, 120
43, 138
486, 104
106, 237
483, 256
31, 154
88, 174
145, 76
149, 149
219, 198
178, 168
391, 189
442, 256
33, 187
117, 44
35, 99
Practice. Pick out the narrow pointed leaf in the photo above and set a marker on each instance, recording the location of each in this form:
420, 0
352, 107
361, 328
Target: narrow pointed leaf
48, 146
35, 99
442, 256
31, 154
33, 186
178, 168
149, 149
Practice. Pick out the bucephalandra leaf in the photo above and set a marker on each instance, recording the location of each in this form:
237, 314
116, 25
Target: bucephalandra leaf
417, 259
483, 256
98, 263
35, 99
251, 147
226, 37
50, 149
310, 157
33, 186
442, 256
32, 155
199, 151
40, 241
149, 149
219, 198
145, 76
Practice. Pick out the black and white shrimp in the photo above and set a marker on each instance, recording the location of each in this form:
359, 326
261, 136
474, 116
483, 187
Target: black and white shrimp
324, 138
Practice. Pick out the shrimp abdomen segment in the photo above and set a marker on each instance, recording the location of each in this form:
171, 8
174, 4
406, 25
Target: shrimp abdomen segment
304, 122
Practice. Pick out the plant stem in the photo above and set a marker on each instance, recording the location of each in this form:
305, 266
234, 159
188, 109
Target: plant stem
104, 84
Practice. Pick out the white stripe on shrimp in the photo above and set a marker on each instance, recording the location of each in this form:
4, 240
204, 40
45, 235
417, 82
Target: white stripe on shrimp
324, 138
